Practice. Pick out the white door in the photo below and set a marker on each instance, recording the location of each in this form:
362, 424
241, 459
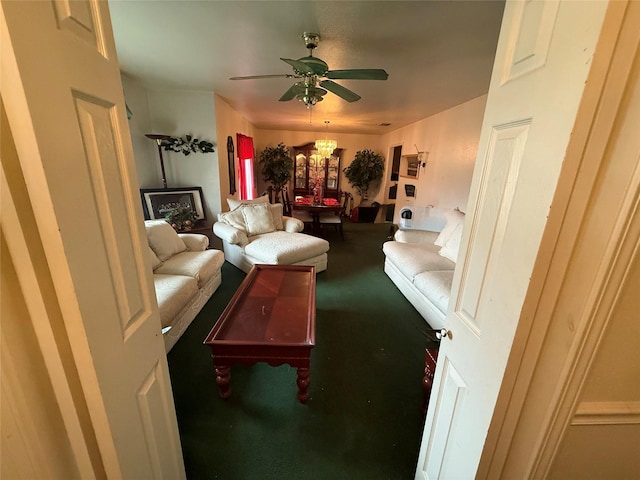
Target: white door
99, 330
542, 60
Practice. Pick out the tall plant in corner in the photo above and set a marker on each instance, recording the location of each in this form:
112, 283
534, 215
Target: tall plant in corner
277, 167
366, 169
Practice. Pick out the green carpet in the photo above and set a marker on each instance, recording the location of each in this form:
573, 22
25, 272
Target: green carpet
363, 417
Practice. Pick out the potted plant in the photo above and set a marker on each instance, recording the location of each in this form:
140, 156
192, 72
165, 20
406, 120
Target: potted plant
366, 169
277, 167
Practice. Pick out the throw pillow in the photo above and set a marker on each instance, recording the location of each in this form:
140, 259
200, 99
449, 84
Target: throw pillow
451, 248
276, 214
258, 218
234, 203
234, 219
454, 218
163, 239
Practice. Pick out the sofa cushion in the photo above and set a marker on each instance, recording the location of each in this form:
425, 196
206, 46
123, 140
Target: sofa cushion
199, 265
173, 293
234, 203
163, 239
454, 218
257, 218
285, 248
414, 258
436, 286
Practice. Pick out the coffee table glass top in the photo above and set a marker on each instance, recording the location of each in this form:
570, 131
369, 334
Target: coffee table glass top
273, 305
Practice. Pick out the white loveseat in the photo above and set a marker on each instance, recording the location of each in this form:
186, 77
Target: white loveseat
421, 264
255, 231
185, 275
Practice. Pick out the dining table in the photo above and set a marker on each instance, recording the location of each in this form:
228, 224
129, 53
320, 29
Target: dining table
316, 208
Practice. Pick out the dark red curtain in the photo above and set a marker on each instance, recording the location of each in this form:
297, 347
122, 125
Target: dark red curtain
245, 164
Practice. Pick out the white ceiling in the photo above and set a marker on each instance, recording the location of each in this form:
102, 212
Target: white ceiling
438, 54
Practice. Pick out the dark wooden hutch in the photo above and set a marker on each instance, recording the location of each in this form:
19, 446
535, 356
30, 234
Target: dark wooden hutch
309, 166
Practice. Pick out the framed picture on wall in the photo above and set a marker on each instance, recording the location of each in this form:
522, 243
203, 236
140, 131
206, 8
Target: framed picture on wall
157, 202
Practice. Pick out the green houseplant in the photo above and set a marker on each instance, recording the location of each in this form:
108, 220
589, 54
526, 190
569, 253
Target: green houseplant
276, 166
366, 169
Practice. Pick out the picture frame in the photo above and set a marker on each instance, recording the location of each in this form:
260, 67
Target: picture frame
156, 202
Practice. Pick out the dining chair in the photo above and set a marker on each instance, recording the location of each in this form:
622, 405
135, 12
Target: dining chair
301, 215
286, 204
334, 219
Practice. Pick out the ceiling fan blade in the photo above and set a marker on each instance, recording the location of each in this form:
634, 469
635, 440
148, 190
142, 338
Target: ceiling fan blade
298, 65
339, 90
358, 74
291, 93
253, 77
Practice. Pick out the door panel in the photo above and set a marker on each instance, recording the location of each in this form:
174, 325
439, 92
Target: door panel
451, 396
126, 268
496, 190
543, 57
531, 37
75, 153
77, 18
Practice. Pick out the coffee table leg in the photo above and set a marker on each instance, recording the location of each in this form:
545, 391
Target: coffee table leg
303, 384
223, 379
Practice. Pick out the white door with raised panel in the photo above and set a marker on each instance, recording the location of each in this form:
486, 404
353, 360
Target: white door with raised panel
542, 60
99, 330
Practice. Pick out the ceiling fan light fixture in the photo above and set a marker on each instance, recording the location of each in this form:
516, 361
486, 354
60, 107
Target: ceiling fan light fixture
325, 147
309, 100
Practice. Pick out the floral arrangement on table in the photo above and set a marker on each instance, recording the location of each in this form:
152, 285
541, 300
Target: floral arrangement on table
187, 145
181, 218
318, 192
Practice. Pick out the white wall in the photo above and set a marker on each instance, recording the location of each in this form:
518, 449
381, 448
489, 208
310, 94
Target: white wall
145, 151
178, 113
451, 140
230, 123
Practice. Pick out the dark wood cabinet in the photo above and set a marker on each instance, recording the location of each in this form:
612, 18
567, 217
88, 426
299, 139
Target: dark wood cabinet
310, 165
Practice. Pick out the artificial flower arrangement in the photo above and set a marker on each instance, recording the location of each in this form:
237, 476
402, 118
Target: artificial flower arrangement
187, 145
181, 218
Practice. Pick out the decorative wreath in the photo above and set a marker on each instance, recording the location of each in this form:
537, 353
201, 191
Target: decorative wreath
187, 145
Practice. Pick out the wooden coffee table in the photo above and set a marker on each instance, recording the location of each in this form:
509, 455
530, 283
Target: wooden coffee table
271, 318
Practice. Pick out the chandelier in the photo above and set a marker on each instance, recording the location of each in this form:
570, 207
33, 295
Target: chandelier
326, 147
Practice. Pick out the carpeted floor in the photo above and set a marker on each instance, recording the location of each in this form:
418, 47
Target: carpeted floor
363, 417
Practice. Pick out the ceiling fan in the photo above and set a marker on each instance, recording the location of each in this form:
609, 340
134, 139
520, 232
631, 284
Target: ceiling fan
316, 79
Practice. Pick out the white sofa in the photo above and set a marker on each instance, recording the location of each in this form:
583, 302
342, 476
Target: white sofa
421, 264
255, 231
185, 275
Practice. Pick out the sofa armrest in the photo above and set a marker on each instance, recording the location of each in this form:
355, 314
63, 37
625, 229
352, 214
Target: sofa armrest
195, 242
292, 225
415, 236
230, 234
